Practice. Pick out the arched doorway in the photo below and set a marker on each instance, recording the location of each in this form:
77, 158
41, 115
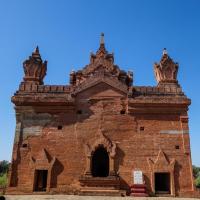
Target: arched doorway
100, 163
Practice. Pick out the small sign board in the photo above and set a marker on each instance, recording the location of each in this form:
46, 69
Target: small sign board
137, 177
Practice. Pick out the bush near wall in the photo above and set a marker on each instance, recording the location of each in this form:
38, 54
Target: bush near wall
4, 166
196, 174
3, 183
3, 180
197, 182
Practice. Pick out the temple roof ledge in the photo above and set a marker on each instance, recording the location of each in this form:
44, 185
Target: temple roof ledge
158, 90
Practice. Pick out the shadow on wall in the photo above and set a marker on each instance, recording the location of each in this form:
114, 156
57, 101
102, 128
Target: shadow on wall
177, 168
56, 170
148, 183
125, 186
81, 113
15, 162
120, 159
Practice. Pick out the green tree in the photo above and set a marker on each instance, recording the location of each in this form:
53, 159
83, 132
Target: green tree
196, 171
3, 180
197, 182
196, 174
4, 166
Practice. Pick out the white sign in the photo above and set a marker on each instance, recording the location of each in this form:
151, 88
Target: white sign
137, 177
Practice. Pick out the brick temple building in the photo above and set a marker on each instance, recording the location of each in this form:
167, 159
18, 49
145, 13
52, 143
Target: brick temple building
89, 137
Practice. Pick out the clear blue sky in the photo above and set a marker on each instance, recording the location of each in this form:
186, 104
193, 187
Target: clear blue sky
67, 31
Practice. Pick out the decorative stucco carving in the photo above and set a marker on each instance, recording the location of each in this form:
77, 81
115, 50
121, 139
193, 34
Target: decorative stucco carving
91, 82
34, 68
166, 71
101, 64
43, 160
101, 140
161, 163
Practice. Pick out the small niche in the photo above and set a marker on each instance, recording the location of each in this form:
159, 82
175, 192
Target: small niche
177, 147
60, 127
122, 112
25, 145
141, 128
79, 112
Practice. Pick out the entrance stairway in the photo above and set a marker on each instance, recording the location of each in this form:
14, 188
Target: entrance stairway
101, 186
101, 191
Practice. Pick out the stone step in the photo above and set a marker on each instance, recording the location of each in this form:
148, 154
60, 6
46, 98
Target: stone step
98, 188
138, 190
95, 191
139, 195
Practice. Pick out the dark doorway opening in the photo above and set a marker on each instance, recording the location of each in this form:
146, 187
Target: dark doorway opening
41, 180
162, 183
100, 163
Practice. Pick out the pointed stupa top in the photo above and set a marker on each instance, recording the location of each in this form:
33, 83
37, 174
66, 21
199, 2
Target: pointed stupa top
37, 49
36, 53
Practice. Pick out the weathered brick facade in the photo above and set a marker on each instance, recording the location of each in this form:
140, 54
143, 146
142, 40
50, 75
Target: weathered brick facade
62, 130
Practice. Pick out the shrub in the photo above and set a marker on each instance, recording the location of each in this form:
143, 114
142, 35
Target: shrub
196, 171
197, 182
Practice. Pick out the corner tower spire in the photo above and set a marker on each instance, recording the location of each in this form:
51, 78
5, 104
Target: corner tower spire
166, 70
34, 68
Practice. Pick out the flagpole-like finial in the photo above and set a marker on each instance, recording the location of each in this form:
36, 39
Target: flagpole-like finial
164, 51
102, 38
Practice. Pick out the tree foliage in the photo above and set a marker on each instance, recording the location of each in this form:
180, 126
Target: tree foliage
197, 182
196, 171
196, 174
4, 166
3, 180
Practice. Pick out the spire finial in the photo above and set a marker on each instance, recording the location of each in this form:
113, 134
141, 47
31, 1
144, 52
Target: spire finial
36, 53
164, 51
102, 38
36, 49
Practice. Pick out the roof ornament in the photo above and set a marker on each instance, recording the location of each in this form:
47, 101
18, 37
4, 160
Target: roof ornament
36, 54
102, 39
34, 68
101, 65
36, 50
164, 51
102, 50
166, 70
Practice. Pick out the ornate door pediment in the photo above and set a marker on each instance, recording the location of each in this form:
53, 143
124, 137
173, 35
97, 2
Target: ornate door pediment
101, 87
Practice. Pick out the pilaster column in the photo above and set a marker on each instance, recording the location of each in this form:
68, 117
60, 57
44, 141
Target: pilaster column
172, 183
112, 166
48, 180
88, 166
